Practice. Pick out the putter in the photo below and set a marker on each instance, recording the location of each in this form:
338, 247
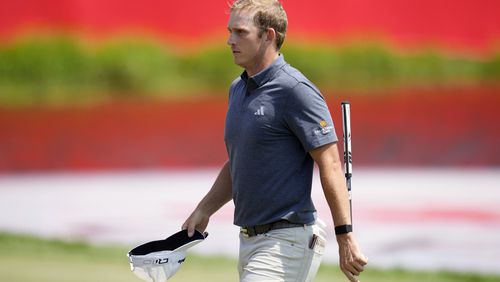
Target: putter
346, 125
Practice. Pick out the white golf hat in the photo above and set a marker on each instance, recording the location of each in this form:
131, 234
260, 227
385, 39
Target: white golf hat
156, 261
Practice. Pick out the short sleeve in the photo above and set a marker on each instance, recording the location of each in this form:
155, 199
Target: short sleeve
308, 117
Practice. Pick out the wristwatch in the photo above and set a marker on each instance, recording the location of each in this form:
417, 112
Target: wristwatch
343, 229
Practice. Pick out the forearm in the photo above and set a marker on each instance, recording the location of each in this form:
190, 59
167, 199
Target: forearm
352, 261
335, 190
219, 194
333, 182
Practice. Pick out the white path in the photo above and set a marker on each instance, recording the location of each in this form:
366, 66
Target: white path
419, 219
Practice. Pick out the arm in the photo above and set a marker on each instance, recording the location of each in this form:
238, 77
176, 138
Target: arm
352, 261
218, 196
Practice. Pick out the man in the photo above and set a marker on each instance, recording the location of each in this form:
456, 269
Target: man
277, 126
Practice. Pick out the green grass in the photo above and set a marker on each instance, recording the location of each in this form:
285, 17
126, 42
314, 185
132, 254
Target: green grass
64, 70
26, 259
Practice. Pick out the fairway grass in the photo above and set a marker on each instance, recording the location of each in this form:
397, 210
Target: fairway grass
30, 259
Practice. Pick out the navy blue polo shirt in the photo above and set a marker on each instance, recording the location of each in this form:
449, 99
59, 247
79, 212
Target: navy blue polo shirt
273, 120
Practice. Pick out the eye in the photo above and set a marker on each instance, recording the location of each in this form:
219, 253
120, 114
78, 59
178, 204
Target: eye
237, 31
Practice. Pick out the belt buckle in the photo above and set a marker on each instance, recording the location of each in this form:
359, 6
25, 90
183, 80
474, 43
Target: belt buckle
244, 232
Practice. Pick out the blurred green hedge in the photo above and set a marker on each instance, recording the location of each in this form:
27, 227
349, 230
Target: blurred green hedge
54, 70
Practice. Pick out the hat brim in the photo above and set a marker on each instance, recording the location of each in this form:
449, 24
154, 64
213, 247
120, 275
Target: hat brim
178, 242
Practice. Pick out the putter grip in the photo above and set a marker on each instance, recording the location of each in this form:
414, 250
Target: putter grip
346, 124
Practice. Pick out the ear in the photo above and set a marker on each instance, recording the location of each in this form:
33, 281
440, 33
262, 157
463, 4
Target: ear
271, 35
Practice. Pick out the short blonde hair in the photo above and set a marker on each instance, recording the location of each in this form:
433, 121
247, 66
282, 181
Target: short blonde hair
269, 14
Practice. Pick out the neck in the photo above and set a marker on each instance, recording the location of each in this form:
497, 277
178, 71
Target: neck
262, 64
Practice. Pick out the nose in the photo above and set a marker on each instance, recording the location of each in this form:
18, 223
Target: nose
230, 39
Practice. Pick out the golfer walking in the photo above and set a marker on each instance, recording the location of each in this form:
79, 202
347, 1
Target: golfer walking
277, 126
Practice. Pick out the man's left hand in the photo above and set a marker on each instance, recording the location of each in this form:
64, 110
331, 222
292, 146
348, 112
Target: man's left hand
352, 261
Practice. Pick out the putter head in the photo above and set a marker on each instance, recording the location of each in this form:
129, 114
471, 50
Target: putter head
157, 261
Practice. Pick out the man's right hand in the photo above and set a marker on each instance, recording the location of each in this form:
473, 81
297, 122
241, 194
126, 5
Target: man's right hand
197, 220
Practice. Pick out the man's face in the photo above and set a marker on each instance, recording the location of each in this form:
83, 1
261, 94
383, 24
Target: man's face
246, 45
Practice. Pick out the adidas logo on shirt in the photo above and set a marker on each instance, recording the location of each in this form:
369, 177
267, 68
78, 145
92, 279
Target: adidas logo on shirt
260, 111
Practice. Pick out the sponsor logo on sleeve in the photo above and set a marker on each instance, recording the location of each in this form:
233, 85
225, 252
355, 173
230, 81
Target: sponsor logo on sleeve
324, 128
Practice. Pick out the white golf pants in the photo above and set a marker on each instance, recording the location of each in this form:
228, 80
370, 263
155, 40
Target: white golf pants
283, 255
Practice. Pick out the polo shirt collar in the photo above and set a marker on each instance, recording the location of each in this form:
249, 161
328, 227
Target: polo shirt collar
264, 76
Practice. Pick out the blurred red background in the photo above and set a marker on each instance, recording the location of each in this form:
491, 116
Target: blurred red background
436, 127
455, 127
472, 25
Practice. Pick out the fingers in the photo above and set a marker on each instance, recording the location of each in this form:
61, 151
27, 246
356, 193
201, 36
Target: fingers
352, 261
196, 221
361, 259
352, 265
190, 226
190, 231
356, 265
359, 268
350, 276
359, 264
350, 268
184, 225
